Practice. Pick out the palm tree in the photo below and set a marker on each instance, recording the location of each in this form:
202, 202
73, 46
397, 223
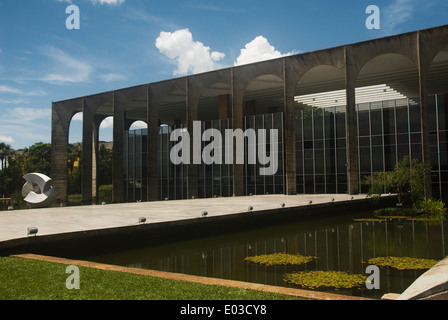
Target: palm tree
5, 152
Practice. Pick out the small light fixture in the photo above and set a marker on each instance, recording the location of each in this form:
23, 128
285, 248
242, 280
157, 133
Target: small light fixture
32, 231
204, 214
250, 208
283, 205
332, 200
141, 220
310, 203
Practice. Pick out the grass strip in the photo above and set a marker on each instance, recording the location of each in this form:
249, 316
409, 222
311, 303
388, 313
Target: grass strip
26, 279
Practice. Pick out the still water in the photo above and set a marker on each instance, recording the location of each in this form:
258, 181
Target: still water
340, 244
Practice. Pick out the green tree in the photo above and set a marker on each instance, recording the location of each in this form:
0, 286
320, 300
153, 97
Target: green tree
5, 153
407, 176
38, 159
104, 167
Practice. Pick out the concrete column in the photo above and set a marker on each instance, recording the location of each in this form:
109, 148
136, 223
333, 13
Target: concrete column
237, 123
95, 150
118, 135
192, 101
351, 121
153, 148
423, 67
223, 107
61, 117
289, 83
87, 152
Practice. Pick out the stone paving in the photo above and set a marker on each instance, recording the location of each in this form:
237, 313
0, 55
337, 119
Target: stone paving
14, 224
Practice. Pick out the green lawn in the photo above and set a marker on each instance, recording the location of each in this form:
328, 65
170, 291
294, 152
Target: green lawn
23, 279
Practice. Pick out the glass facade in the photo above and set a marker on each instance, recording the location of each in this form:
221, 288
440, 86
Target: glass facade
135, 166
254, 182
386, 132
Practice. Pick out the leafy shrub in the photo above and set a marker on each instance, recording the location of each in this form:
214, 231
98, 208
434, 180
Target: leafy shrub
432, 208
105, 193
74, 199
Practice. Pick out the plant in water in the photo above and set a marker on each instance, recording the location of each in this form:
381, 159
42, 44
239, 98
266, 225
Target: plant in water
407, 175
328, 279
433, 210
280, 259
403, 263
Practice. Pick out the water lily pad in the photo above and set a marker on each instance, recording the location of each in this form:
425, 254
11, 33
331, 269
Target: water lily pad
280, 259
403, 263
329, 279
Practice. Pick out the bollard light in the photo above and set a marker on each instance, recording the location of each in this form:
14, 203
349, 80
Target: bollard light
32, 231
141, 220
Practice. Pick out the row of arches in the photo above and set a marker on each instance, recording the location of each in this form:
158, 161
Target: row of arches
338, 77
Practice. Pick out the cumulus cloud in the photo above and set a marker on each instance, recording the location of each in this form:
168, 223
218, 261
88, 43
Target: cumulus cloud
258, 49
191, 56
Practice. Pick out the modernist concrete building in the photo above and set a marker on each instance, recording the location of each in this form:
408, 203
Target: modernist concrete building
342, 113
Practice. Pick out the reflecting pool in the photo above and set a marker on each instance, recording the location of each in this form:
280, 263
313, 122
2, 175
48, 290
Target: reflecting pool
344, 243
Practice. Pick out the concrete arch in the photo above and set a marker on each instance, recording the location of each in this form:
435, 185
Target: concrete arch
62, 113
438, 69
395, 70
264, 94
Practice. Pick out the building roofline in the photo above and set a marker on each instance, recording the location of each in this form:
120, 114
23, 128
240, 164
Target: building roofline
229, 69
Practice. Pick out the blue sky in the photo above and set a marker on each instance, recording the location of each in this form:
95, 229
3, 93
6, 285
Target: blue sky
123, 43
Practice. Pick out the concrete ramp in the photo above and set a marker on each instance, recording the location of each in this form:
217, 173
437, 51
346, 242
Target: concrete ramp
432, 285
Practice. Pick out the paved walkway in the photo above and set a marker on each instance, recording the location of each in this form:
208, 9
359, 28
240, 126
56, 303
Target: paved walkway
15, 224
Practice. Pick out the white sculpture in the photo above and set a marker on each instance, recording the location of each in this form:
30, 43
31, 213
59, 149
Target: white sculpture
38, 190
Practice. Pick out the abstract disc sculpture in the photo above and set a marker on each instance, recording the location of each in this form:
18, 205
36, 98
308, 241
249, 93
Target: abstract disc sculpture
38, 190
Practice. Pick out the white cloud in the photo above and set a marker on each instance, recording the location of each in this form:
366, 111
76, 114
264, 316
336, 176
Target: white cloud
395, 14
191, 56
25, 126
138, 125
108, 2
6, 139
69, 69
25, 115
78, 117
111, 77
107, 123
12, 90
258, 49
15, 101
6, 89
